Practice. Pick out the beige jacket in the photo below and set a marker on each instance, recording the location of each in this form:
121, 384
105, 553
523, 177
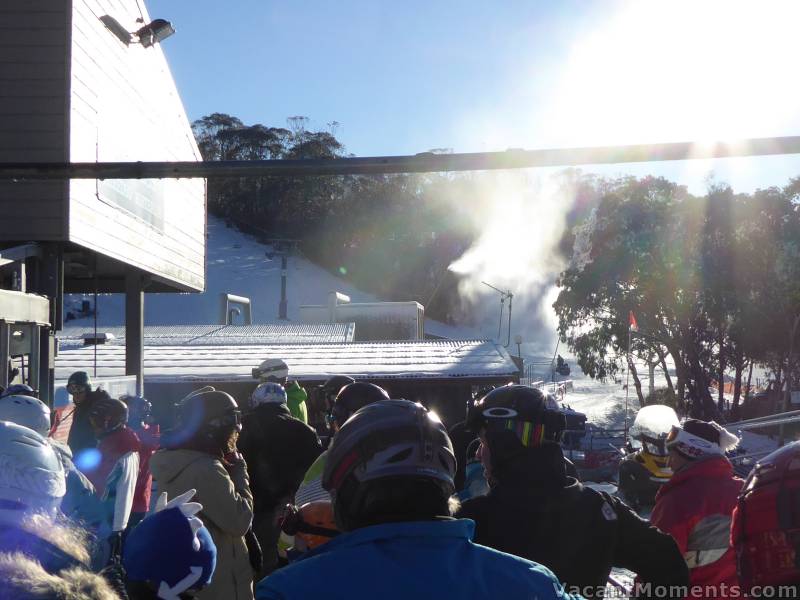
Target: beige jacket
227, 513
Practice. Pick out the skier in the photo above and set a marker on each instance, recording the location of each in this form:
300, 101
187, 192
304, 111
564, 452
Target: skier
696, 503
81, 435
325, 397
116, 469
200, 453
535, 510
275, 370
170, 554
278, 449
350, 398
79, 502
140, 421
40, 556
390, 471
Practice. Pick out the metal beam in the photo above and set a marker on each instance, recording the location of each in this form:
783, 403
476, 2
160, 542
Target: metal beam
134, 329
425, 162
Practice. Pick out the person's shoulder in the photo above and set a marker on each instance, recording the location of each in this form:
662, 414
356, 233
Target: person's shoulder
518, 577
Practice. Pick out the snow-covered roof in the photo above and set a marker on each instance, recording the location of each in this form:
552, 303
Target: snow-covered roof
438, 359
216, 335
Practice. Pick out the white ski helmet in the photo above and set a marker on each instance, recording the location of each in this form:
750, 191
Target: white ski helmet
268, 393
26, 411
273, 368
31, 473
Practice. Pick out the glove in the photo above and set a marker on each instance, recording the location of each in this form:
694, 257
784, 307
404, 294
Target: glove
188, 510
254, 551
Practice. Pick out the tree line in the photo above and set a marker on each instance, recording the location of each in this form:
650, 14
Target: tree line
713, 282
393, 236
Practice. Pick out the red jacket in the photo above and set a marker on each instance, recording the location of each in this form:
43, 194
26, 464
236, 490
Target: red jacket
111, 447
695, 507
149, 437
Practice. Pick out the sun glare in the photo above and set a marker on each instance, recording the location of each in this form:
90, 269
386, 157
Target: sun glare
680, 71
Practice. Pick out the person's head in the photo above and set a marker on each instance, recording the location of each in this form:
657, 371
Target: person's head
106, 414
207, 421
26, 411
19, 389
509, 420
139, 411
311, 524
79, 385
695, 440
273, 370
268, 393
352, 397
391, 461
32, 478
170, 549
331, 388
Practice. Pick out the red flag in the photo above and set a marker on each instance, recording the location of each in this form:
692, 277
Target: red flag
632, 321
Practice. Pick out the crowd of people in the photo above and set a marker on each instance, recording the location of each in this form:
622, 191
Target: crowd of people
373, 498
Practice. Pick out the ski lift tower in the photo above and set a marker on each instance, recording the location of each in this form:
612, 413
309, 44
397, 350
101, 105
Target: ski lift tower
504, 294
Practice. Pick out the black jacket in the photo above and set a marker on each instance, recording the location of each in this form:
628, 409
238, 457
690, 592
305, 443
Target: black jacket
81, 434
536, 511
278, 449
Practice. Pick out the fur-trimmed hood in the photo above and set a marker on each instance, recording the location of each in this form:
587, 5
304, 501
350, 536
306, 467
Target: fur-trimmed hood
22, 578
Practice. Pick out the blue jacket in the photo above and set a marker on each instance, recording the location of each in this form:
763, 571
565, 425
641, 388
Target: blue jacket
411, 561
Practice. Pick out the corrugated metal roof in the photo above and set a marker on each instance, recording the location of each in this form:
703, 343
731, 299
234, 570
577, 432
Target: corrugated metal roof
368, 360
225, 335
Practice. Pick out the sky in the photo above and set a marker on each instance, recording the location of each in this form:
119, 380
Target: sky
470, 75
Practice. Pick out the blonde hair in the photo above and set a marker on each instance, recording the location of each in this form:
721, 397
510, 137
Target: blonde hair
23, 578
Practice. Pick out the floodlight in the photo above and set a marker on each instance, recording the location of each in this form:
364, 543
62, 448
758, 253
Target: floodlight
152, 33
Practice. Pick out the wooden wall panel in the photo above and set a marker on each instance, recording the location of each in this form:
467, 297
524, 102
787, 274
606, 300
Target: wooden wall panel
125, 107
34, 37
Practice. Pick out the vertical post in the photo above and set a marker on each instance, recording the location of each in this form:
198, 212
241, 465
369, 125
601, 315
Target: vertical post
49, 281
5, 332
282, 308
627, 381
787, 398
134, 329
36, 358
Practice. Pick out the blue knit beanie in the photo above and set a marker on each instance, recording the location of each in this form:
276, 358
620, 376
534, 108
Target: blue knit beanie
162, 550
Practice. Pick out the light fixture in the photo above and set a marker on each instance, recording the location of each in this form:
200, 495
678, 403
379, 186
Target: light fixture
149, 34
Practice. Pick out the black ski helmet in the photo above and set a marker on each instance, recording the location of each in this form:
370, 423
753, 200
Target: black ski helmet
207, 410
520, 410
106, 413
354, 396
331, 387
389, 439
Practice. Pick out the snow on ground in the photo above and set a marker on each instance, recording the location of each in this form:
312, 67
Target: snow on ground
237, 264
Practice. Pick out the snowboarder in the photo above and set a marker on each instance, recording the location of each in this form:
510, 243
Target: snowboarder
200, 453
696, 504
278, 449
535, 510
390, 471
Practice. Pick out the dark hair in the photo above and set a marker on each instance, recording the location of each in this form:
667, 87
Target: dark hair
388, 500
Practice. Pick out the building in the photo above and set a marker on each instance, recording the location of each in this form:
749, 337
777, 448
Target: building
86, 81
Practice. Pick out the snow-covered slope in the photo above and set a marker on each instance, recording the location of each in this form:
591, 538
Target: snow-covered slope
237, 264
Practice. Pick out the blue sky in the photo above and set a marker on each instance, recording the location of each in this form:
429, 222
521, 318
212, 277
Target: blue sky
405, 77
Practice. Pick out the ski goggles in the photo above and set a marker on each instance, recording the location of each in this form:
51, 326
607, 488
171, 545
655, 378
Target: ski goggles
232, 418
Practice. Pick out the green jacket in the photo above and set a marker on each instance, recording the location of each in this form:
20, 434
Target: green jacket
296, 401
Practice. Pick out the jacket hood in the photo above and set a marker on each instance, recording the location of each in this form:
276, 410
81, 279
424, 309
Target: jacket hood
166, 465
713, 467
538, 468
295, 392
